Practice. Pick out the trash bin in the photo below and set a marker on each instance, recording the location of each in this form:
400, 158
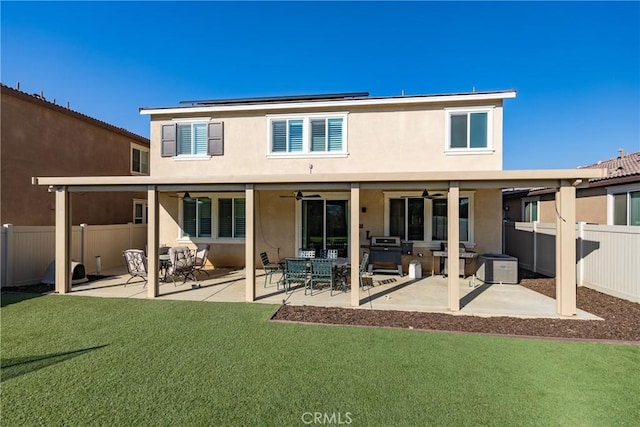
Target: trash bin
415, 270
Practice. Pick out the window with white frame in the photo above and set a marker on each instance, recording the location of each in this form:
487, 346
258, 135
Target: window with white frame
231, 217
140, 211
440, 217
192, 139
309, 135
196, 217
420, 219
139, 159
215, 216
530, 209
469, 129
624, 205
406, 218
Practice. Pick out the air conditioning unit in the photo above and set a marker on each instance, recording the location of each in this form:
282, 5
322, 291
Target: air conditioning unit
497, 268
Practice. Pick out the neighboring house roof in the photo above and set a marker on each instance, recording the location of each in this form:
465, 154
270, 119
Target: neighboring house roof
40, 100
624, 168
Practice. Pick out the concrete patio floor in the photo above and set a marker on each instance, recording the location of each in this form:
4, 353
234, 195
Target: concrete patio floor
389, 292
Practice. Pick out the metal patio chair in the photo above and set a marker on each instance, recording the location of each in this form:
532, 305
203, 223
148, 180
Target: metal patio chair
295, 271
307, 253
136, 262
200, 258
181, 264
270, 269
321, 272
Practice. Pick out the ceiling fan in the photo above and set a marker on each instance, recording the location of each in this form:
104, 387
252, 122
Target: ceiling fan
299, 196
186, 196
425, 195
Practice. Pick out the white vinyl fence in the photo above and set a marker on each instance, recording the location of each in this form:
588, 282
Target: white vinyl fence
607, 256
27, 251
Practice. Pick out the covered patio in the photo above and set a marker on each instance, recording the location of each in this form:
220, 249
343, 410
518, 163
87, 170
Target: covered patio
382, 292
356, 186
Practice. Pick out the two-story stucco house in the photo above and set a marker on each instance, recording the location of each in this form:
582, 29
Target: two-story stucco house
329, 171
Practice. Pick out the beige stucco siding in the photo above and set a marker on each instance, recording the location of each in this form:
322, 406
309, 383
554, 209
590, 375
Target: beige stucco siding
276, 227
591, 206
43, 139
381, 140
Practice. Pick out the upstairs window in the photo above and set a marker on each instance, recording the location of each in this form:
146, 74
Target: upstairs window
139, 160
311, 135
469, 129
192, 139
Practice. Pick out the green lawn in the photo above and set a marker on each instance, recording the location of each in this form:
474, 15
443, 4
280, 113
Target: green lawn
70, 361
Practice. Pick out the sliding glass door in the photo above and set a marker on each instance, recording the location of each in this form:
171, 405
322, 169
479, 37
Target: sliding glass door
325, 225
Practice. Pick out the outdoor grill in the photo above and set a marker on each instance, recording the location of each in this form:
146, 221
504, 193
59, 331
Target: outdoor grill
385, 255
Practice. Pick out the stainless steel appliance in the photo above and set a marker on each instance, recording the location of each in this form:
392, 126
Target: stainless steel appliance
385, 255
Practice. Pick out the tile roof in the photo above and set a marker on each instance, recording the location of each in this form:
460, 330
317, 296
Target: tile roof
40, 99
624, 165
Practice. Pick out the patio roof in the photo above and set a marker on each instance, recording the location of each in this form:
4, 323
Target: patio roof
453, 181
416, 180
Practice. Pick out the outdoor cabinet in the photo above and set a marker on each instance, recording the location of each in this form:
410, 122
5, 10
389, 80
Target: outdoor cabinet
497, 268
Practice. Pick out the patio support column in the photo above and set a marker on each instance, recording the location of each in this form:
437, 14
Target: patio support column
250, 244
566, 250
354, 247
453, 249
63, 241
153, 237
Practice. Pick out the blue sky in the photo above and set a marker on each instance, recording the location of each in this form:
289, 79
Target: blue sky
575, 65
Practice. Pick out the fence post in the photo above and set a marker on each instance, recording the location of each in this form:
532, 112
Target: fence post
83, 244
580, 264
3, 263
535, 247
8, 254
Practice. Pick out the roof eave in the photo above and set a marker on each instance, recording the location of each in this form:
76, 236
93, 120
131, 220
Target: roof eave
491, 178
483, 96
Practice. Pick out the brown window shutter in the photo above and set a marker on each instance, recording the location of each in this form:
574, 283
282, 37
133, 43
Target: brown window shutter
169, 143
216, 139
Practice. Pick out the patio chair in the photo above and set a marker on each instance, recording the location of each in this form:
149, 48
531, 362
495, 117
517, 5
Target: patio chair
200, 258
307, 253
270, 269
321, 272
181, 264
363, 267
136, 262
295, 271
322, 253
332, 253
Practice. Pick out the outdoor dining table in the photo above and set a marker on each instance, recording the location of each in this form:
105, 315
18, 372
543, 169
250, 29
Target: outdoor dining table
340, 265
165, 263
